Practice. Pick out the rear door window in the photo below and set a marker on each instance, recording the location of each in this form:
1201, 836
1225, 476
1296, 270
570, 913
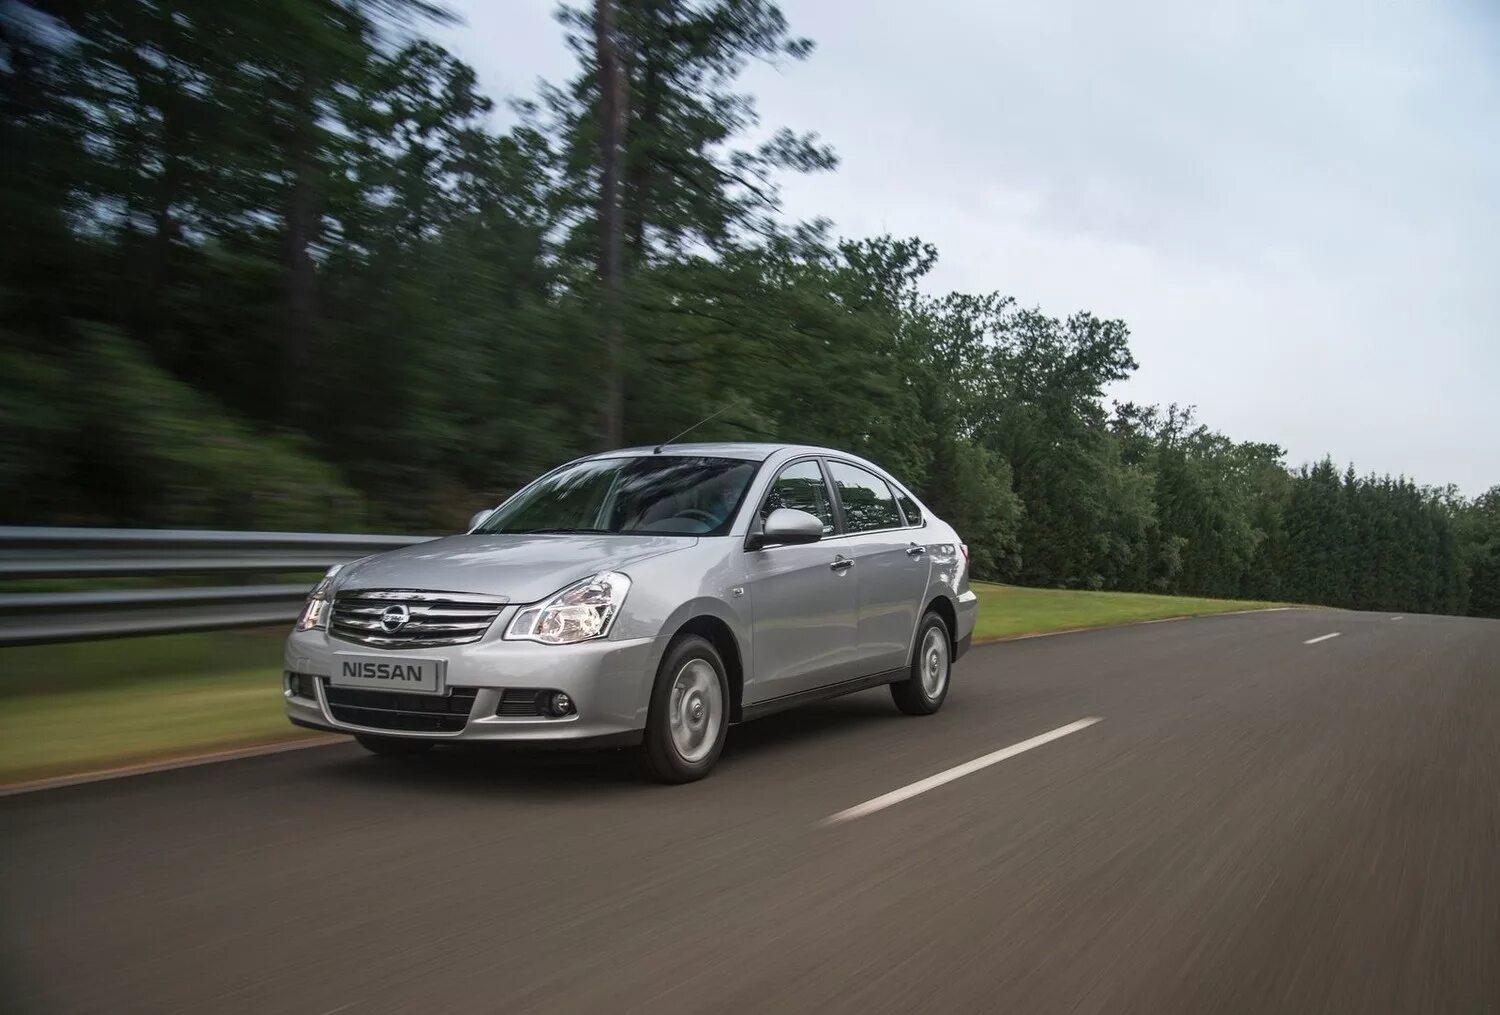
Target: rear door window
868, 502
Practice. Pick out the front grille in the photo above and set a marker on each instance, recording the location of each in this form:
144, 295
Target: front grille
433, 619
516, 701
410, 713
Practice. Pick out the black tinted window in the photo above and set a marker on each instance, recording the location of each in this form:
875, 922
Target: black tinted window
800, 486
909, 509
867, 499
657, 494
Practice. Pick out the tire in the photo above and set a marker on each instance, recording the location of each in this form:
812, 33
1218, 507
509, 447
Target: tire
393, 747
925, 690
689, 714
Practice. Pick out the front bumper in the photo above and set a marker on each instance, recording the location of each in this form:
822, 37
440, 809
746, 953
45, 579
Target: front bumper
609, 682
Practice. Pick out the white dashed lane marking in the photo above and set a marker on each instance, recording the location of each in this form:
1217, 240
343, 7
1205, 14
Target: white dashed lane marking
895, 796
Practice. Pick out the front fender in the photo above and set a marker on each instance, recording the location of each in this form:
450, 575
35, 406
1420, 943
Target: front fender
703, 606
675, 588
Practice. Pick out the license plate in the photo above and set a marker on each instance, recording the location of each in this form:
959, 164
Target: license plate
382, 673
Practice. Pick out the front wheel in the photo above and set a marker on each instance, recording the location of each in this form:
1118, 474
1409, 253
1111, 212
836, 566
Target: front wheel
923, 692
392, 747
689, 714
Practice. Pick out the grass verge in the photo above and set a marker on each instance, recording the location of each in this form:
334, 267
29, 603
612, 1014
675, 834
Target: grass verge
1006, 611
91, 706
66, 709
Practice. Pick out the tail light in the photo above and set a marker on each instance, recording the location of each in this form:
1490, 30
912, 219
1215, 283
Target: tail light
964, 547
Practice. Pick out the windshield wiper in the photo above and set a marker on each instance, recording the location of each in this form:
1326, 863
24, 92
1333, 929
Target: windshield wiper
552, 532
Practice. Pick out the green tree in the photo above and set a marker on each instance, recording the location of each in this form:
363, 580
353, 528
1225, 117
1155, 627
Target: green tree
271, 264
1480, 536
678, 175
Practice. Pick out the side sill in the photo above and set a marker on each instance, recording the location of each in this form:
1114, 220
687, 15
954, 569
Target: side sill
772, 705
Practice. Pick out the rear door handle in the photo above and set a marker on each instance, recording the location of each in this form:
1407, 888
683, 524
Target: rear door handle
915, 550
841, 563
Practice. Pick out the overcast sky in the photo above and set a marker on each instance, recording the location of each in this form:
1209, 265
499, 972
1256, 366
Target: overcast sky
1294, 206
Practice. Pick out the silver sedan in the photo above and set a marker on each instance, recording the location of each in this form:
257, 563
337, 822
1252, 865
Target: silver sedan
647, 598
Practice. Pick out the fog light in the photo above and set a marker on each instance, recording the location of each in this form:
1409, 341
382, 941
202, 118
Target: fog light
302, 685
560, 704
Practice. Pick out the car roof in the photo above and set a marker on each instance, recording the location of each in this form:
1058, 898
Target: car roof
749, 451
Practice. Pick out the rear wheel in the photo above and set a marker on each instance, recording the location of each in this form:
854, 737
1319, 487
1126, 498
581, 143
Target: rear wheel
392, 747
689, 716
923, 692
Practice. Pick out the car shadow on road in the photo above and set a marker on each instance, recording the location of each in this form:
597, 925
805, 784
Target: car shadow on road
470, 769
809, 725
486, 770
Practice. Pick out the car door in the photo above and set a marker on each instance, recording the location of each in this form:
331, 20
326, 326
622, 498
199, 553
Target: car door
890, 566
803, 602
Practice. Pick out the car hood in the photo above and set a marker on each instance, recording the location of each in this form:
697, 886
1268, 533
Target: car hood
519, 568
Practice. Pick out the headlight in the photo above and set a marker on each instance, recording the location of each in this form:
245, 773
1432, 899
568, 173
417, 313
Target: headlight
582, 611
315, 612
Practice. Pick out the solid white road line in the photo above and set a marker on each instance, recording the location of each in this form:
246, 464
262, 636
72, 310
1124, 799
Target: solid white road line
151, 767
880, 803
1403, 617
1321, 637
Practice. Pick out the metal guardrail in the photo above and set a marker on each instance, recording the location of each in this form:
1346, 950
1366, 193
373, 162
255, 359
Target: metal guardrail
29, 618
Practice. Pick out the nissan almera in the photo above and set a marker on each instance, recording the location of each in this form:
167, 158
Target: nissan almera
645, 598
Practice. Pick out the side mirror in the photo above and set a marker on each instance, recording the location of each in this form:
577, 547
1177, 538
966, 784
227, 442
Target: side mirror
788, 527
479, 517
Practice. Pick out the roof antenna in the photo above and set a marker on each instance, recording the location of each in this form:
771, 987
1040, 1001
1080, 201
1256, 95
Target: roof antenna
674, 440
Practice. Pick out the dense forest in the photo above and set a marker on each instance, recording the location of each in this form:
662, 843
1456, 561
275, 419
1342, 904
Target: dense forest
275, 266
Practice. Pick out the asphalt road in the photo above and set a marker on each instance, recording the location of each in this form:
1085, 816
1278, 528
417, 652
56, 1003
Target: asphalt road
1255, 824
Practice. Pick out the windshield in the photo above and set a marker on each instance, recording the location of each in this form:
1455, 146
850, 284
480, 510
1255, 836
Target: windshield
654, 495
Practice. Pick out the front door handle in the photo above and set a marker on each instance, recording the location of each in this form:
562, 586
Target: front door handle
915, 550
841, 563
